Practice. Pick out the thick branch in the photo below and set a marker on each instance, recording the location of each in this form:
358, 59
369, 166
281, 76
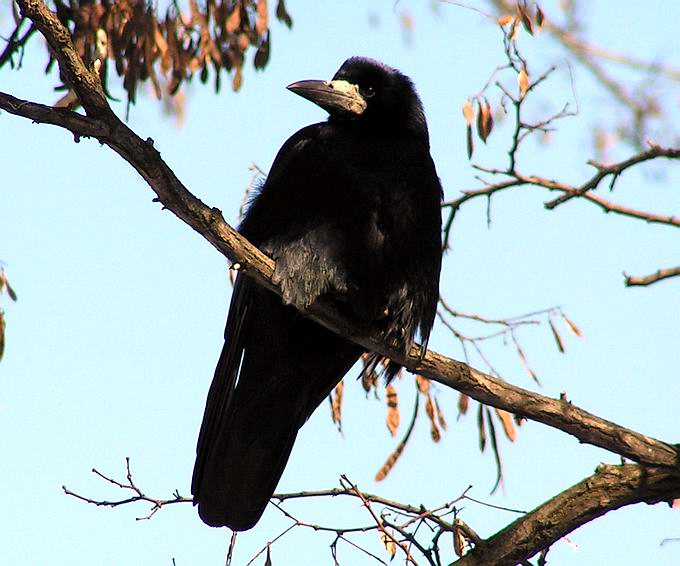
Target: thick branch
85, 83
610, 488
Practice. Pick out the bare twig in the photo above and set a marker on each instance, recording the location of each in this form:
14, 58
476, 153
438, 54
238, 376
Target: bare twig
660, 275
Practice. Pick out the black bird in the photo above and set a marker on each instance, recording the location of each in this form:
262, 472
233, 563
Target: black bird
350, 212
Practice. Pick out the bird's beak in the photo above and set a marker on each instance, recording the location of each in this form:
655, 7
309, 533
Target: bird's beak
332, 96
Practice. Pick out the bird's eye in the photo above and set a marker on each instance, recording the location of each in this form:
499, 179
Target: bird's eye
367, 91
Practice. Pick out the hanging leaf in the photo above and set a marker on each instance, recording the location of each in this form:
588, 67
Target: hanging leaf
468, 112
523, 81
540, 17
556, 336
335, 399
571, 325
282, 14
470, 143
526, 20
393, 417
481, 428
463, 403
505, 20
423, 384
508, 424
525, 363
2, 334
388, 543
484, 120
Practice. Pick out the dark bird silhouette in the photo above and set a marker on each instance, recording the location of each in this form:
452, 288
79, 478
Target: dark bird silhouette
350, 212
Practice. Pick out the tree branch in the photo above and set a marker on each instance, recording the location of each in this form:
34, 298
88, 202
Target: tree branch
611, 487
661, 274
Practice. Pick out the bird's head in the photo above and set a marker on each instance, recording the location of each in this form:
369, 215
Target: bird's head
368, 92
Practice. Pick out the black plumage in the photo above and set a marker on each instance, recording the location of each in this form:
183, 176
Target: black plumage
350, 212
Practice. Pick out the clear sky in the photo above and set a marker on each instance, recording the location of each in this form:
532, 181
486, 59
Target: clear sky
112, 344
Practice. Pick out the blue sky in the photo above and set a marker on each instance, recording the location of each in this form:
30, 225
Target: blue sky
112, 344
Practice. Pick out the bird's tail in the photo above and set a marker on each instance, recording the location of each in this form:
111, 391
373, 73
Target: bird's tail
257, 404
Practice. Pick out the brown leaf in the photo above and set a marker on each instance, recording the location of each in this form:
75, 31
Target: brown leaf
388, 542
459, 540
282, 15
10, 291
423, 384
463, 403
676, 504
484, 120
556, 336
440, 415
505, 20
268, 559
2, 334
540, 17
571, 325
262, 21
430, 410
234, 19
514, 29
470, 143
335, 399
523, 81
508, 424
468, 112
390, 462
393, 418
526, 20
237, 80
525, 363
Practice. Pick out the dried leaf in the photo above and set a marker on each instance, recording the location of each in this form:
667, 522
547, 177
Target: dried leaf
676, 504
556, 336
440, 415
237, 79
496, 452
430, 410
526, 20
525, 363
2, 334
470, 143
459, 540
514, 29
268, 559
335, 399
468, 112
234, 19
508, 424
390, 462
10, 291
282, 15
505, 20
393, 418
463, 403
523, 81
262, 21
423, 384
540, 17
481, 428
388, 542
571, 325
484, 120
